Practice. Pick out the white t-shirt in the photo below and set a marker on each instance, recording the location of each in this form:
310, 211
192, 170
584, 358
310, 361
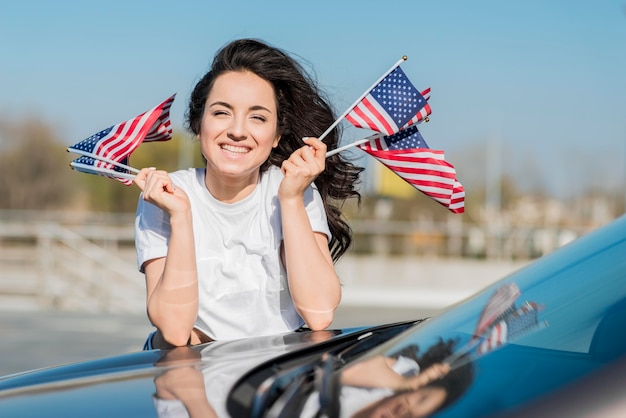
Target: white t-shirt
242, 283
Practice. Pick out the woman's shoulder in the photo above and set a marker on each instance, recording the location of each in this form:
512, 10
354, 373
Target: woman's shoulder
274, 172
186, 176
271, 177
274, 175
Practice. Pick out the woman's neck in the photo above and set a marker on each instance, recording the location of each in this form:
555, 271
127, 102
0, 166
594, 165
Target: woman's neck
230, 189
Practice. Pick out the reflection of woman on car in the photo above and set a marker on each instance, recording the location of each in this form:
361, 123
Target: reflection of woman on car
195, 381
179, 390
404, 384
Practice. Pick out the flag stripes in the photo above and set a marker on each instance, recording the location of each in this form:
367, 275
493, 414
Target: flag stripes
407, 154
118, 142
370, 115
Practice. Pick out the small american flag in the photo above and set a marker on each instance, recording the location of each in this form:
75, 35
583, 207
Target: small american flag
500, 304
510, 328
422, 115
457, 201
389, 106
501, 322
118, 142
407, 154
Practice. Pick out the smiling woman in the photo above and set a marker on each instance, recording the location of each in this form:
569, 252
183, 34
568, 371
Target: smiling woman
246, 245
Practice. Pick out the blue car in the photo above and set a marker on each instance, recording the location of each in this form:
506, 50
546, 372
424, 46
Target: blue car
540, 342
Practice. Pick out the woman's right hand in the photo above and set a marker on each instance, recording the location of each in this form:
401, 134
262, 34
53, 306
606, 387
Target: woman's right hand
157, 188
424, 377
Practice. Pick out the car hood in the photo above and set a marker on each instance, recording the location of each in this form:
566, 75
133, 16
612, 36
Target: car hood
140, 384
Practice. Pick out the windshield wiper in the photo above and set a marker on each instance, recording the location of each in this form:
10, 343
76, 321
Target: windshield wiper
294, 397
285, 393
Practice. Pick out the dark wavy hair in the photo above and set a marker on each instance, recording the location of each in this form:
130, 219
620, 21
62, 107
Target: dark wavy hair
456, 382
302, 111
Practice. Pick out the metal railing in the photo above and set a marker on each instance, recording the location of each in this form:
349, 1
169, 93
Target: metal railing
86, 261
75, 267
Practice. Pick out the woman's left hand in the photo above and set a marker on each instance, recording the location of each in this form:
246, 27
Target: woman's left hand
302, 168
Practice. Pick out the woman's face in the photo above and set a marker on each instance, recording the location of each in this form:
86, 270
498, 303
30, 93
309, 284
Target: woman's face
239, 125
419, 403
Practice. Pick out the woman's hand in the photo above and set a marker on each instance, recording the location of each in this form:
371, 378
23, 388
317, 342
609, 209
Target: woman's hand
158, 189
302, 168
424, 377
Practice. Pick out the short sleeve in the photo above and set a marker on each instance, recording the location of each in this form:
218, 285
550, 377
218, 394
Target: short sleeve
169, 408
152, 232
316, 212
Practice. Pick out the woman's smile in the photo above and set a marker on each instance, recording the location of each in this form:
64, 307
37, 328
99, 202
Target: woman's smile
235, 149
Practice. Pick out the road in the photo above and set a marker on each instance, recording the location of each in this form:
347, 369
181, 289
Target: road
36, 339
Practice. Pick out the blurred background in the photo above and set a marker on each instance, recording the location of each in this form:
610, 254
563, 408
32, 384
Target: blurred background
529, 104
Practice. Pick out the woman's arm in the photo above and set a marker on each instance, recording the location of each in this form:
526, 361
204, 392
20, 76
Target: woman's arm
183, 382
377, 372
171, 281
313, 282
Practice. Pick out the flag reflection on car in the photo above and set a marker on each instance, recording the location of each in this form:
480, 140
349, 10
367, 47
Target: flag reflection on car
501, 322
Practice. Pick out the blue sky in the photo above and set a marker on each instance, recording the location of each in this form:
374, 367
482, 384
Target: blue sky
545, 79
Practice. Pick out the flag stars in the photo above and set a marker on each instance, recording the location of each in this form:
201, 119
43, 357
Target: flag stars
398, 96
406, 139
396, 99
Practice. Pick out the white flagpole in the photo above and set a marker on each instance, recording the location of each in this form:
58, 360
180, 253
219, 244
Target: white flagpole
353, 144
330, 128
111, 173
103, 159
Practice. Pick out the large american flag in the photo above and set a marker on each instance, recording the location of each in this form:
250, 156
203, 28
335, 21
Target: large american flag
389, 106
407, 154
118, 142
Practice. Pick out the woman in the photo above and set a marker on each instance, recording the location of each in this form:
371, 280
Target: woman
245, 246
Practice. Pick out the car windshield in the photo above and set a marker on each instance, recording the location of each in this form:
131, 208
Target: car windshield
541, 327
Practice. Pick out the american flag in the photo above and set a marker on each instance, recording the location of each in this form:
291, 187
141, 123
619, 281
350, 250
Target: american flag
389, 105
501, 322
118, 142
88, 165
501, 303
511, 327
407, 154
422, 115
457, 201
